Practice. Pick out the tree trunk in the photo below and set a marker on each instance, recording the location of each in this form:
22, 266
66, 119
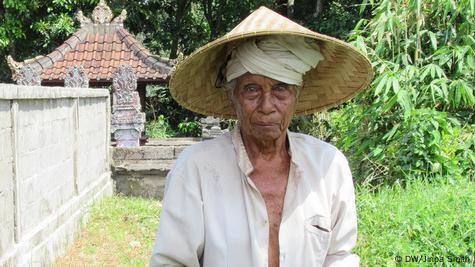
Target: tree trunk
174, 47
214, 16
318, 8
181, 10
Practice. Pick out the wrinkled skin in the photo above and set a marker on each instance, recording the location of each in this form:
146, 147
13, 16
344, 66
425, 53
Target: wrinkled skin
265, 108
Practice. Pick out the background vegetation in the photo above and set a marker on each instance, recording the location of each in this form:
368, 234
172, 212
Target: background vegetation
410, 137
417, 117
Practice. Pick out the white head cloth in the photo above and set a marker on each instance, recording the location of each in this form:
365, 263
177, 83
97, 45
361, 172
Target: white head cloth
282, 58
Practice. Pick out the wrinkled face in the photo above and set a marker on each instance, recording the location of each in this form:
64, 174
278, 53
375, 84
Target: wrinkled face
264, 106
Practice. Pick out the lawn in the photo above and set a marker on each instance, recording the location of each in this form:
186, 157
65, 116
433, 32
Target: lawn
121, 232
421, 222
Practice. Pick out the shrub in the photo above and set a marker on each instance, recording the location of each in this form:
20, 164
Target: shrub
159, 128
416, 119
181, 121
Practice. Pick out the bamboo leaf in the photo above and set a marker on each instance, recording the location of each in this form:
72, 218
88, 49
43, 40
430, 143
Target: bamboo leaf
440, 72
467, 92
470, 61
396, 86
433, 40
434, 89
389, 84
363, 6
390, 104
425, 71
405, 102
391, 133
381, 84
457, 96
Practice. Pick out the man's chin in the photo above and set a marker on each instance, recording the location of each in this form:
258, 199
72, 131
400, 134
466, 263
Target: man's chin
267, 133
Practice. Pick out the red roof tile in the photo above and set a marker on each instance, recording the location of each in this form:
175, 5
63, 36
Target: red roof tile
101, 48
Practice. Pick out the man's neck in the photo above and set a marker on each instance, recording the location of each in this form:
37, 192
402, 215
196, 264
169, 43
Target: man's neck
265, 149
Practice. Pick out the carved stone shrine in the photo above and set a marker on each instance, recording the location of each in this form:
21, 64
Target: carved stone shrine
91, 56
76, 77
28, 76
127, 120
210, 127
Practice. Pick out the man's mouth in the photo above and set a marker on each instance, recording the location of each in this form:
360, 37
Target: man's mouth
265, 124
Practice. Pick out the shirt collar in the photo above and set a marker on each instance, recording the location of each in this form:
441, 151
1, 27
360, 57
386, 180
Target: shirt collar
241, 155
243, 160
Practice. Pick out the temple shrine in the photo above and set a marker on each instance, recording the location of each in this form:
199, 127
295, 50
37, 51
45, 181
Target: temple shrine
101, 53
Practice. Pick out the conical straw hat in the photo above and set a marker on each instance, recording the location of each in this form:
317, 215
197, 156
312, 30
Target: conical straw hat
341, 75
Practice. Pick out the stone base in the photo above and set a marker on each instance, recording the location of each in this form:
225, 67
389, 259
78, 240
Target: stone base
127, 137
142, 178
142, 171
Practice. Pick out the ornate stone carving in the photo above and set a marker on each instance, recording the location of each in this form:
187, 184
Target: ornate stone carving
14, 66
76, 77
210, 127
124, 79
26, 75
127, 120
102, 13
121, 17
83, 20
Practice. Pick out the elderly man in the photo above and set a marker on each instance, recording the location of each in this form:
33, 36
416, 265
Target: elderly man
262, 195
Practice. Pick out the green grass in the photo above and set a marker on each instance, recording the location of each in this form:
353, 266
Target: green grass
121, 232
422, 219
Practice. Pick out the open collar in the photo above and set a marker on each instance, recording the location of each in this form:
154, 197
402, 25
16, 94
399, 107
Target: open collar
242, 157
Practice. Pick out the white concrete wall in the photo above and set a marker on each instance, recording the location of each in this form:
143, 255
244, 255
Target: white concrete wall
54, 162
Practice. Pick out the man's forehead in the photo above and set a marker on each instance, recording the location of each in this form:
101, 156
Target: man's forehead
256, 78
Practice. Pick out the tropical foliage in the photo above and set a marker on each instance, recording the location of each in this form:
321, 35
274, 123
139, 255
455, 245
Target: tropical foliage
417, 117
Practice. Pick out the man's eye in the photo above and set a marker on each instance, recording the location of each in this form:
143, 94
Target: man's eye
281, 88
252, 88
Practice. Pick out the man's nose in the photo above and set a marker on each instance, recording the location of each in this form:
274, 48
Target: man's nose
267, 105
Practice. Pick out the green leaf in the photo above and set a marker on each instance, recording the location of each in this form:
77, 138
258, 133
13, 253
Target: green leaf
390, 134
389, 104
396, 86
425, 72
381, 84
432, 71
377, 151
363, 6
470, 60
404, 101
433, 40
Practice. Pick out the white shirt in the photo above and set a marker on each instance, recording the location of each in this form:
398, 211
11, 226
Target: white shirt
214, 216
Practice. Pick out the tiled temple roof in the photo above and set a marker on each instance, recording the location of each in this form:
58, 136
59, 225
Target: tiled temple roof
100, 46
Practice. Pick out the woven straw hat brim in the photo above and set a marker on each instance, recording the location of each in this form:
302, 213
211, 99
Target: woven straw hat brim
340, 76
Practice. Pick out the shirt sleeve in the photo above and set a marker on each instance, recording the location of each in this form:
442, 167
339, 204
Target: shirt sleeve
180, 235
343, 216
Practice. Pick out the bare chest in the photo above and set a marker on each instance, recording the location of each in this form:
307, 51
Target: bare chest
272, 187
272, 184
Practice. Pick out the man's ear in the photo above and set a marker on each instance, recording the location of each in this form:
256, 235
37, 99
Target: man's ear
229, 94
